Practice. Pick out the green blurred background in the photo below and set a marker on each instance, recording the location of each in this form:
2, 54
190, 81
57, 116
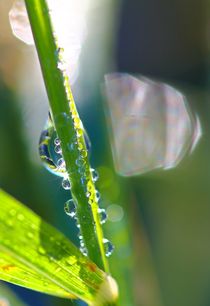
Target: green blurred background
164, 252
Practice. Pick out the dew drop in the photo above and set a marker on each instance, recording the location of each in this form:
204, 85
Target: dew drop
52, 238
12, 212
91, 201
83, 250
71, 260
77, 121
33, 226
98, 195
77, 224
79, 132
82, 244
108, 246
9, 223
80, 162
94, 174
50, 149
47, 145
58, 269
83, 181
58, 149
30, 235
61, 65
80, 236
103, 215
83, 153
41, 251
20, 217
57, 141
70, 208
66, 184
61, 164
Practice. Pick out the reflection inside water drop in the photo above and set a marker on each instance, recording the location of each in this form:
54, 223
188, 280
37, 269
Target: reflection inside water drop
70, 208
66, 183
50, 149
108, 246
152, 124
103, 215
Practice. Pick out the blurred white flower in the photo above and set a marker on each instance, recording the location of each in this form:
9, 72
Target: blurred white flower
151, 124
69, 24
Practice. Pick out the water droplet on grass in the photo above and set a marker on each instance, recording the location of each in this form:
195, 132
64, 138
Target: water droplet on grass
98, 195
61, 165
70, 208
41, 251
58, 149
12, 212
50, 149
57, 141
94, 174
108, 246
20, 217
83, 250
66, 184
9, 223
30, 235
103, 215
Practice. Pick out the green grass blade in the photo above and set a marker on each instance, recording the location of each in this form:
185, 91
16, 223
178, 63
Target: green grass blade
8, 297
69, 129
13, 271
35, 255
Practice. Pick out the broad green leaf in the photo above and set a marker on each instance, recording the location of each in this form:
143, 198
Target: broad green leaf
35, 255
8, 297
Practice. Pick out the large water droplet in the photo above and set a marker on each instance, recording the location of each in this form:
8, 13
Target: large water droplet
108, 246
41, 250
12, 212
66, 183
30, 235
58, 149
50, 150
83, 250
98, 196
94, 174
70, 208
152, 124
20, 217
103, 215
57, 141
61, 165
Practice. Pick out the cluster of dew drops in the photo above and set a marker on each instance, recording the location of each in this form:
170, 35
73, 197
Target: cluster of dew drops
51, 155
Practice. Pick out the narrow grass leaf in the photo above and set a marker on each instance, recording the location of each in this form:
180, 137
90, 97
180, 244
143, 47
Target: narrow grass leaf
35, 255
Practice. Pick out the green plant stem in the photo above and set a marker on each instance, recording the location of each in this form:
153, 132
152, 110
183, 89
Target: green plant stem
69, 130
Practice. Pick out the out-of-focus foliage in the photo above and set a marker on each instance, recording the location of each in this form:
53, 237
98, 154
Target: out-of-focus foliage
35, 255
